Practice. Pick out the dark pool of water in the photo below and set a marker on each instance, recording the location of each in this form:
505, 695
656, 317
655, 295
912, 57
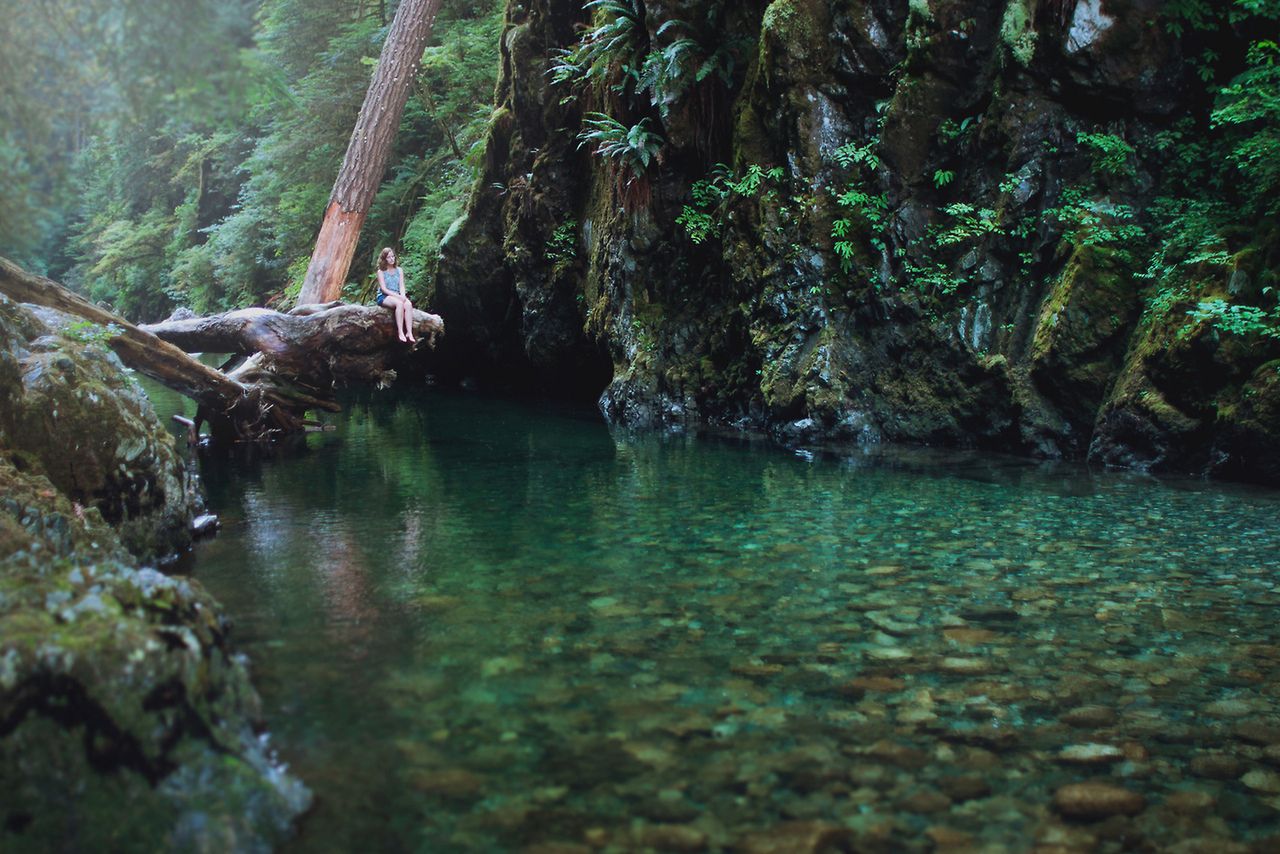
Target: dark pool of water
480, 625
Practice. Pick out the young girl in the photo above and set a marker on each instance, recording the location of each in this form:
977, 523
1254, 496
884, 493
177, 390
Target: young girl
392, 292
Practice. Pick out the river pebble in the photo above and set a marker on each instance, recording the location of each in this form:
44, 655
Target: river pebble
1095, 800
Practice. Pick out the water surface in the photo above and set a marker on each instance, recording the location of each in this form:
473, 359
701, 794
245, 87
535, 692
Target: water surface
480, 625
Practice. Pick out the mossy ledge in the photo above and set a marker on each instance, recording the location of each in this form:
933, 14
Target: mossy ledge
126, 720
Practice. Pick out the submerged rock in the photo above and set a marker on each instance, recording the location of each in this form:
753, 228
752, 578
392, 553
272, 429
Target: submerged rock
1097, 800
1091, 754
798, 837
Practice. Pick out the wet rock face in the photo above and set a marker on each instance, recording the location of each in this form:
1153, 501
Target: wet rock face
120, 699
71, 414
1030, 340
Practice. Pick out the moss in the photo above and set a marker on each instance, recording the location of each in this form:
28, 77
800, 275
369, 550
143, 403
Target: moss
1082, 332
1017, 31
76, 417
783, 21
920, 9
116, 685
794, 41
750, 142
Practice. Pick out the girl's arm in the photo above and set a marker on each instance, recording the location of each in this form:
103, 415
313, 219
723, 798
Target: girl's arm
382, 286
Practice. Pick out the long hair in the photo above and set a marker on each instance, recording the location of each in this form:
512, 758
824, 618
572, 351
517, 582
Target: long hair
382, 258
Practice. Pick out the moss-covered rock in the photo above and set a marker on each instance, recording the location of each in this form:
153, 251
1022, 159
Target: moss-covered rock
1192, 397
73, 414
125, 718
1081, 334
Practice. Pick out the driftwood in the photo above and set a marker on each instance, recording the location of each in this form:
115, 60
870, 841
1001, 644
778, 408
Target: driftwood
291, 362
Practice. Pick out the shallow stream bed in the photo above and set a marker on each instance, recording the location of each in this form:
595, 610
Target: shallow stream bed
478, 625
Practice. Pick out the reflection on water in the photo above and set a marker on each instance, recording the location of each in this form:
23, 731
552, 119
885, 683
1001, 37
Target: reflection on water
481, 626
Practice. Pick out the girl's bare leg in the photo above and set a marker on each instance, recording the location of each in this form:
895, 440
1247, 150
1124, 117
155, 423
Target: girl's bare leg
408, 318
398, 304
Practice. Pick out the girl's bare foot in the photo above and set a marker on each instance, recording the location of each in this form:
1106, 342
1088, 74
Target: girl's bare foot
402, 338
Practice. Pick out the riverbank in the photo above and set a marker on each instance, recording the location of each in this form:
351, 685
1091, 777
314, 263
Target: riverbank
126, 717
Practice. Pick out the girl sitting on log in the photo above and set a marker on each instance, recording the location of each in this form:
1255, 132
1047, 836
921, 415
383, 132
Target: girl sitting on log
392, 292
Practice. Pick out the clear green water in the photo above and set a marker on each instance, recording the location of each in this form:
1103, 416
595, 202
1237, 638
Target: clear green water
478, 625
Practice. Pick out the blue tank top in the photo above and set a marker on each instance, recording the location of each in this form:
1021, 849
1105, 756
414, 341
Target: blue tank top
391, 278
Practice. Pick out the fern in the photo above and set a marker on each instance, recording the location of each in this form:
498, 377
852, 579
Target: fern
631, 151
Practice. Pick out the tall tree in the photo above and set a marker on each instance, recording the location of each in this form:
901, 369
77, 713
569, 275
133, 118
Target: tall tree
367, 152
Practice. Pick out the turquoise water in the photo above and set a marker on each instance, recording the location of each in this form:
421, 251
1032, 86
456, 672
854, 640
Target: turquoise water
481, 625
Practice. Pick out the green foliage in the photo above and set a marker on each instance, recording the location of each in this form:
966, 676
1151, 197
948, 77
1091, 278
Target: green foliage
700, 54
1096, 221
88, 332
712, 196
119, 85
1183, 16
1222, 178
863, 210
858, 154
1236, 319
1249, 110
633, 148
562, 248
861, 207
968, 223
934, 278
187, 158
610, 54
630, 150
950, 130
1111, 154
943, 177
1017, 31
686, 63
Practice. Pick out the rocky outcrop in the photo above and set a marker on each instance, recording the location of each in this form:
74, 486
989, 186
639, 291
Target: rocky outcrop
125, 718
942, 242
69, 412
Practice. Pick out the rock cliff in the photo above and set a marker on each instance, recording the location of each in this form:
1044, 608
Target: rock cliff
930, 221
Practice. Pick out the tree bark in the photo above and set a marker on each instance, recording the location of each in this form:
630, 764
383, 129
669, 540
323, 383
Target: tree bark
367, 152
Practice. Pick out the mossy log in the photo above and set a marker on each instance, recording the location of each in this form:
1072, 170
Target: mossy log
293, 360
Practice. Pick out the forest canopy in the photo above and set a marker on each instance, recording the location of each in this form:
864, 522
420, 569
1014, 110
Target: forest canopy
156, 154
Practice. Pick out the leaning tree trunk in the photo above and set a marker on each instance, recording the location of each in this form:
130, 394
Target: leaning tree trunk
367, 151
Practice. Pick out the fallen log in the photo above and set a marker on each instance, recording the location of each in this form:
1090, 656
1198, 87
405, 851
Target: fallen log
290, 362
313, 346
